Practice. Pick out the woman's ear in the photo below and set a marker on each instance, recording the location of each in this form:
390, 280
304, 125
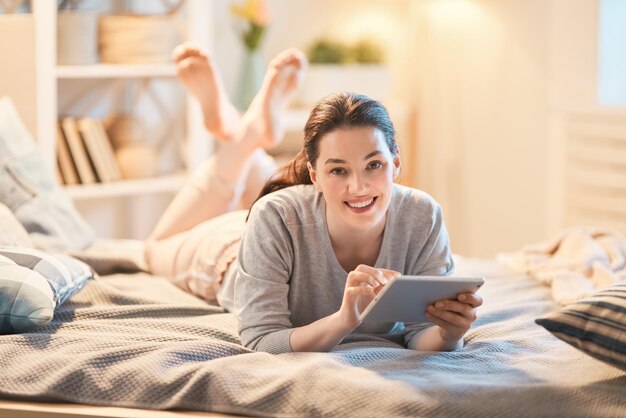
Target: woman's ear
313, 176
396, 164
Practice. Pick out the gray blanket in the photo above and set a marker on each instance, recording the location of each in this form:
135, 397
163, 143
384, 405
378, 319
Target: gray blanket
137, 341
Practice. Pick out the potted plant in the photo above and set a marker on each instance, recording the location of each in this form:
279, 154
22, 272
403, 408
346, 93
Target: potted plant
337, 66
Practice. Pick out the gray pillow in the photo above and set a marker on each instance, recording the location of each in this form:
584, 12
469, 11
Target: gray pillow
11, 230
25, 302
596, 325
28, 189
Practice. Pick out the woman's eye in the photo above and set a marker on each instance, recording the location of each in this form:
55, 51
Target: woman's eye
337, 171
374, 165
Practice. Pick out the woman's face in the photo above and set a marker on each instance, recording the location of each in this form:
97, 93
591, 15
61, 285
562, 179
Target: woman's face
355, 172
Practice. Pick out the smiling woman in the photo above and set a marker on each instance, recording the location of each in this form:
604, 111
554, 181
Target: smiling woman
325, 233
330, 229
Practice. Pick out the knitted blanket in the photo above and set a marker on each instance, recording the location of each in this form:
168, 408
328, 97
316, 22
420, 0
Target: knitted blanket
139, 341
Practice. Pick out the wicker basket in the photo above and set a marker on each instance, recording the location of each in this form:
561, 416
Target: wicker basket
135, 39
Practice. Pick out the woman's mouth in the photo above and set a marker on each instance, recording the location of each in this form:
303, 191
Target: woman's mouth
361, 205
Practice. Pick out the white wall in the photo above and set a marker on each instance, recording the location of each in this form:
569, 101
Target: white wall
493, 71
17, 70
299, 23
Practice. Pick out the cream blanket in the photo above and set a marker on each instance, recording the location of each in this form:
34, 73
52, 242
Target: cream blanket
575, 264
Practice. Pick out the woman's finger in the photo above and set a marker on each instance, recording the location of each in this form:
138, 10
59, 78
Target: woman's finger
390, 274
440, 321
353, 292
358, 277
473, 299
453, 318
464, 309
374, 272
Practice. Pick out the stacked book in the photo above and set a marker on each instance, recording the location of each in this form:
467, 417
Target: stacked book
84, 152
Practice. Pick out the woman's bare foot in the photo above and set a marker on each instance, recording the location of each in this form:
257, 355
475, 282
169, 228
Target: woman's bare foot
263, 120
198, 73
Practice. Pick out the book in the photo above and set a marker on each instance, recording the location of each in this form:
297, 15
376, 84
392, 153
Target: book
57, 174
64, 159
77, 151
107, 150
93, 147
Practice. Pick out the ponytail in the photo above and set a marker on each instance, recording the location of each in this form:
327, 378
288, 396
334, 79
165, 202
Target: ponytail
290, 174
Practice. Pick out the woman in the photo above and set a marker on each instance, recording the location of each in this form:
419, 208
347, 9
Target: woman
328, 230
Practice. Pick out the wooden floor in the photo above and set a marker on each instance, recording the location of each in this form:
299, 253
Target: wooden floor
11, 409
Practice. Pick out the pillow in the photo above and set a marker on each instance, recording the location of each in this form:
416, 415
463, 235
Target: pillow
28, 189
596, 325
25, 302
11, 230
26, 298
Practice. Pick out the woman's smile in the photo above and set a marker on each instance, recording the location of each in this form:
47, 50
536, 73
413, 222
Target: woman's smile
361, 205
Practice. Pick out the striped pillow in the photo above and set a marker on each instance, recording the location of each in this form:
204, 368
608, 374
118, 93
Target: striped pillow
65, 274
26, 298
595, 325
33, 284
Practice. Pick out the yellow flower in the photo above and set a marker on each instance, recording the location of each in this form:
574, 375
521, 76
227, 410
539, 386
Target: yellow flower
255, 11
256, 16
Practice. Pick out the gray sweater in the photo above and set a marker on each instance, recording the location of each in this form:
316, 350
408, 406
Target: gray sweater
289, 275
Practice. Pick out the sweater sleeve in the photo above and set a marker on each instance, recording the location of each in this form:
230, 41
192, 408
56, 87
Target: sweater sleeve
262, 284
435, 260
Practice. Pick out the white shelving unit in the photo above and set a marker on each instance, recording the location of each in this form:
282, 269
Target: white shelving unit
199, 144
137, 193
164, 184
115, 71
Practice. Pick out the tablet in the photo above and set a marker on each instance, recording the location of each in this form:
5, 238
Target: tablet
405, 298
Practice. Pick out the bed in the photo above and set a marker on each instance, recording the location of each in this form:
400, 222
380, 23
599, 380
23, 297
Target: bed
128, 344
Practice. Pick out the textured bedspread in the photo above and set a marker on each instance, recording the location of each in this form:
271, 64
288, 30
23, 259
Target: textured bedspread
136, 340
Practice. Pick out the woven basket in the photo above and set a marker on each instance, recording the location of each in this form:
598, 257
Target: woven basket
136, 39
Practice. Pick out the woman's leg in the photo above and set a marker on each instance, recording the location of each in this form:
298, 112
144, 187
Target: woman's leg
198, 73
218, 186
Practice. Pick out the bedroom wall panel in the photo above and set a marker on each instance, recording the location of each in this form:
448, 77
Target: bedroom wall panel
595, 169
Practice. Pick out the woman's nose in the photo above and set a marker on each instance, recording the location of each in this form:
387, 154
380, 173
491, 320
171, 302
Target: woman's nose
356, 184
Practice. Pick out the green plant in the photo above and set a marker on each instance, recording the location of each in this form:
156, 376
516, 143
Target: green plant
327, 51
368, 52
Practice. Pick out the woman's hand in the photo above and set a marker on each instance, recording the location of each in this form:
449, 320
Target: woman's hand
454, 317
362, 286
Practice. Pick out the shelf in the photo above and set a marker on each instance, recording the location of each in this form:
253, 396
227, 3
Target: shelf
163, 184
115, 71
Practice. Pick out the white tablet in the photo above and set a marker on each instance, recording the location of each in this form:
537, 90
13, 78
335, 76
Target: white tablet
405, 298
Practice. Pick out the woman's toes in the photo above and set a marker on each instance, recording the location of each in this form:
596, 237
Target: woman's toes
186, 50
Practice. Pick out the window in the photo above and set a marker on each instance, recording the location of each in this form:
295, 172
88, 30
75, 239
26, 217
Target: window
612, 53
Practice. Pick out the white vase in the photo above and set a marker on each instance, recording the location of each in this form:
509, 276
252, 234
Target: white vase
251, 77
77, 35
321, 80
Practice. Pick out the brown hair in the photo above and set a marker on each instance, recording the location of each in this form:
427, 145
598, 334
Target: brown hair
337, 111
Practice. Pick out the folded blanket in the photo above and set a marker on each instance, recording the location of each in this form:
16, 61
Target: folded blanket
576, 263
